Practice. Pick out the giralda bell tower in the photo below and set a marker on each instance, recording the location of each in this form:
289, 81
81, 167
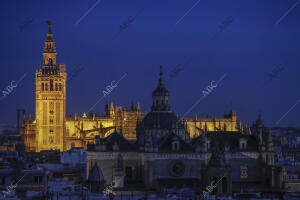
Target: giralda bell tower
50, 99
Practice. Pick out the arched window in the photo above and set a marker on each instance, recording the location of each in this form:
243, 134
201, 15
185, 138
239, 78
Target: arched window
56, 87
162, 102
42, 86
175, 146
46, 87
60, 87
51, 85
50, 62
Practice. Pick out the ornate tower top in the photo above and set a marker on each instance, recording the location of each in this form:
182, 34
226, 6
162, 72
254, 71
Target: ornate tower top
160, 96
49, 53
49, 34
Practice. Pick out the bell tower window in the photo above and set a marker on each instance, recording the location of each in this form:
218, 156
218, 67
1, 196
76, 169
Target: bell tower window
56, 87
46, 87
50, 62
42, 86
51, 85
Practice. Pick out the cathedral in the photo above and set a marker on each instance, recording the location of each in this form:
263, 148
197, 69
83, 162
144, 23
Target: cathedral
164, 156
53, 130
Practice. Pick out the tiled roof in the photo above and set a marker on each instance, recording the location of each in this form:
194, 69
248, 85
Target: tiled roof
116, 138
165, 144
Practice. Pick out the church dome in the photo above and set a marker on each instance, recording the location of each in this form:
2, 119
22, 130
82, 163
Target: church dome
160, 90
161, 120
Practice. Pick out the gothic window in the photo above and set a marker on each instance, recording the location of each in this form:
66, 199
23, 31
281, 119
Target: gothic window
51, 85
56, 87
156, 102
60, 87
162, 102
51, 131
42, 86
46, 87
51, 112
51, 121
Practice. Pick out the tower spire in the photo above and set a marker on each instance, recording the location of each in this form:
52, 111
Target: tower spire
160, 96
160, 73
49, 53
49, 30
160, 82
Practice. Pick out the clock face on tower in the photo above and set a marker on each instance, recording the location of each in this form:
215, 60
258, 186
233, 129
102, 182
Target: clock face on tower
177, 168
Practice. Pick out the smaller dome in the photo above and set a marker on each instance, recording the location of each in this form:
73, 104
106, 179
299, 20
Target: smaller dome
95, 174
160, 91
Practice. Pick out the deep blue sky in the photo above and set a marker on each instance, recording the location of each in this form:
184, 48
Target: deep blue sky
247, 51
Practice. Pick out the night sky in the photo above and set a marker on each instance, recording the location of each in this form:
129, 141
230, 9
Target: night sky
261, 40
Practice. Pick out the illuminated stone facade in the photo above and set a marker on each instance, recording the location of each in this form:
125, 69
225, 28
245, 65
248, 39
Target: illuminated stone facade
50, 99
53, 130
196, 126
